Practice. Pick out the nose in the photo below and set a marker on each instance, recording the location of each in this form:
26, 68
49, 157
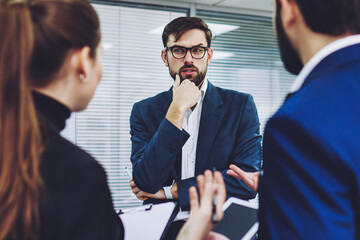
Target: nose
188, 58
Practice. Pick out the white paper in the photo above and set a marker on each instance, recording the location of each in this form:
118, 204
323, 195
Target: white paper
146, 224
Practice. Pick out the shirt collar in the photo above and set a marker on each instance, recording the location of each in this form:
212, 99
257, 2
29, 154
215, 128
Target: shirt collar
319, 56
204, 88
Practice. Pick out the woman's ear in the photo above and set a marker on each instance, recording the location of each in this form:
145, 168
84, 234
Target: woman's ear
81, 62
86, 61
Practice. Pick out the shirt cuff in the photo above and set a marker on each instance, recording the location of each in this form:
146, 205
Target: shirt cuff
168, 192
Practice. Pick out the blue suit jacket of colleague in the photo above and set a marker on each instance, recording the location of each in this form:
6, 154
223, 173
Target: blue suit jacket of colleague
228, 133
311, 183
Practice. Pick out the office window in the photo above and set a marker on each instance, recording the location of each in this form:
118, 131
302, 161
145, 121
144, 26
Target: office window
133, 70
246, 59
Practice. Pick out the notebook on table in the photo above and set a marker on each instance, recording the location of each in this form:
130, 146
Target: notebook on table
240, 220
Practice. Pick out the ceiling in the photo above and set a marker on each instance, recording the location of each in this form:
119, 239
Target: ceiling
262, 5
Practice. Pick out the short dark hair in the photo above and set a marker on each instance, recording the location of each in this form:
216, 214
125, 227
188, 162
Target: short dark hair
181, 25
332, 17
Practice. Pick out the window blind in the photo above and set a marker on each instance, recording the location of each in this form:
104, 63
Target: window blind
132, 70
246, 59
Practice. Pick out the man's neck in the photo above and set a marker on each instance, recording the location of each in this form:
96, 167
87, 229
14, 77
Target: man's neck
313, 43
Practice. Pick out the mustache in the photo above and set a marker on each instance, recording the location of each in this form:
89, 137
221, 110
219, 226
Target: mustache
188, 66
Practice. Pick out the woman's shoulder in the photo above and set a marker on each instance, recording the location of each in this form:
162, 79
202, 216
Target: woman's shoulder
63, 158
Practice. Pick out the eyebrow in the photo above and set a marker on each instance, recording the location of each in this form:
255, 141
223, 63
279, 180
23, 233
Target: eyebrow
198, 45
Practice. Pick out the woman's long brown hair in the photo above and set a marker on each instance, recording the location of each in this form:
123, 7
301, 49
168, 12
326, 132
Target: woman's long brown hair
19, 129
31, 36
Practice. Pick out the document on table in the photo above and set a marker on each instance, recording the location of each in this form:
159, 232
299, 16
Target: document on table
148, 221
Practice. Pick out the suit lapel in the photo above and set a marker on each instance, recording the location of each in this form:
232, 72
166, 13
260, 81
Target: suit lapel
210, 121
164, 106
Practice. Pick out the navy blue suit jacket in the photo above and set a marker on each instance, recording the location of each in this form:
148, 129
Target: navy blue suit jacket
311, 183
228, 133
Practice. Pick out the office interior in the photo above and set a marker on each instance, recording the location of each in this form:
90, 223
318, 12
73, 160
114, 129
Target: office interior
246, 59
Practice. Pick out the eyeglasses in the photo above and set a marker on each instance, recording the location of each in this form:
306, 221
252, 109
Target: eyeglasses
180, 52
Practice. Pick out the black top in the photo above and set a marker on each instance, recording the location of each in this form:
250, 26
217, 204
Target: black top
76, 202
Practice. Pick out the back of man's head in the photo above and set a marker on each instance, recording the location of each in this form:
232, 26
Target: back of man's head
331, 17
181, 25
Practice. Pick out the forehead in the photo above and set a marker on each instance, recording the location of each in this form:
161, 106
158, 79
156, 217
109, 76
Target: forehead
190, 38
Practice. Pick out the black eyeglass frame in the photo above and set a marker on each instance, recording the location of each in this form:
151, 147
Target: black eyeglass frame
187, 49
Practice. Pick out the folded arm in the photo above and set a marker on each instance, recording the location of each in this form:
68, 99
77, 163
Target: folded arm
153, 156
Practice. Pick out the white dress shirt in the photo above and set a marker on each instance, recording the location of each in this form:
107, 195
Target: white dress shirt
319, 56
191, 125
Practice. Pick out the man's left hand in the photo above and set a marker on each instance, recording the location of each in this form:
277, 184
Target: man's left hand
141, 195
251, 179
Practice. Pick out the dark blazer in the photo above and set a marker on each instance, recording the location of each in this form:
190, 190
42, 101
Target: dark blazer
228, 133
311, 183
75, 203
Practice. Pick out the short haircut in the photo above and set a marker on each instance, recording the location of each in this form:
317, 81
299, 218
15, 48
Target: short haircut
181, 25
331, 17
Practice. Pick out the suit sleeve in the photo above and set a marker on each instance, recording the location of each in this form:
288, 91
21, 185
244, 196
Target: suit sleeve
152, 157
304, 191
246, 154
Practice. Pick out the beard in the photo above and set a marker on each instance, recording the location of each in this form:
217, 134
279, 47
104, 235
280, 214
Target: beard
289, 56
196, 78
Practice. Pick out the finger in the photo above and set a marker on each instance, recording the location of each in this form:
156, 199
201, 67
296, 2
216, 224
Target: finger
132, 184
131, 180
201, 183
244, 176
231, 173
194, 201
177, 81
209, 190
136, 190
215, 236
220, 194
237, 170
141, 197
256, 181
140, 194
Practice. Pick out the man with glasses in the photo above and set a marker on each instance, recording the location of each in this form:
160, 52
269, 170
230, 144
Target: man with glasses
194, 126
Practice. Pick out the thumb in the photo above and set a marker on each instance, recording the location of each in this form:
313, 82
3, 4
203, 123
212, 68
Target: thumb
177, 81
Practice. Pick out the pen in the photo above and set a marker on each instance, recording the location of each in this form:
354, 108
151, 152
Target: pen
128, 172
214, 216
